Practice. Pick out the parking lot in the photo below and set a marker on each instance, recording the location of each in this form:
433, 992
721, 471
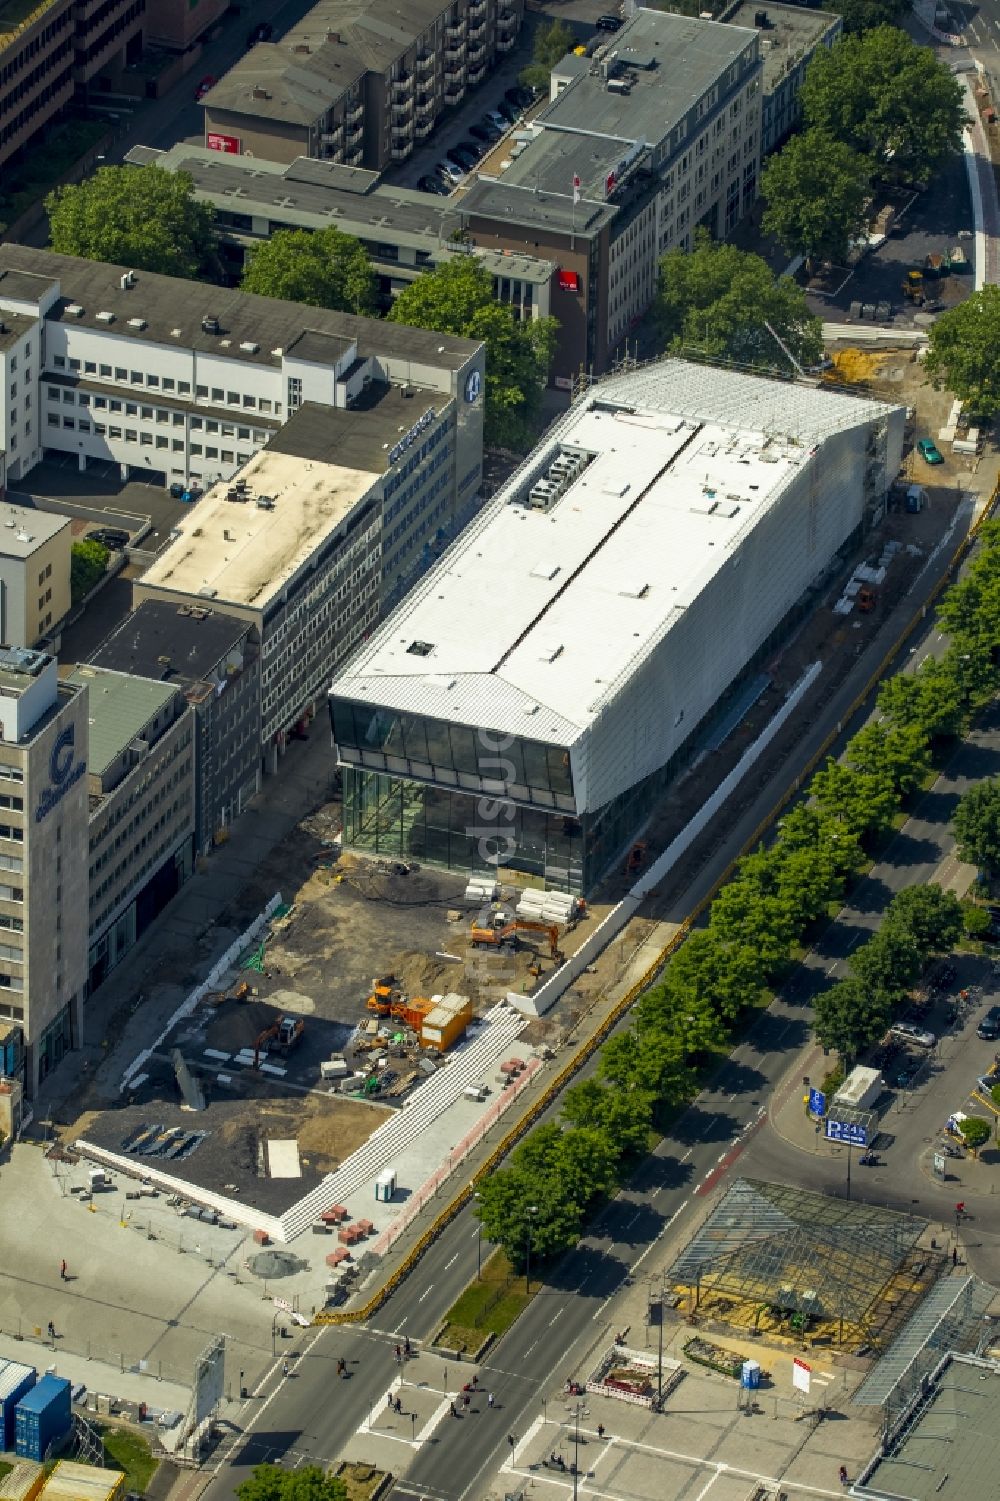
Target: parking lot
99, 496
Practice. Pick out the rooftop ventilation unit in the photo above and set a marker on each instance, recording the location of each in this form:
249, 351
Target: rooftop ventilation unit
74, 310
210, 325
139, 323
127, 282
249, 347
105, 317
265, 503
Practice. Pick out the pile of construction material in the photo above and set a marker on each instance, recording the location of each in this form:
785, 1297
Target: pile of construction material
547, 906
482, 889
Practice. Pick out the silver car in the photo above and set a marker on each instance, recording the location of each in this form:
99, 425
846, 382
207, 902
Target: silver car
908, 1032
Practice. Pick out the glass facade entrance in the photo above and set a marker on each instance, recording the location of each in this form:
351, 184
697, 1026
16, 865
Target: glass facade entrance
390, 815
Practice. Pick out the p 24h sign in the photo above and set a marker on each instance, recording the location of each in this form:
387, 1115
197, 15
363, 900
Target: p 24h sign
853, 1132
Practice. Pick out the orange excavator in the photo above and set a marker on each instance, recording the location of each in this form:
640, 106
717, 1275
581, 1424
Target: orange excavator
280, 1037
386, 992
498, 927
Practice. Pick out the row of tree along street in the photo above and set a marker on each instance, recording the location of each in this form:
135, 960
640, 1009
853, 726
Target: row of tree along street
757, 926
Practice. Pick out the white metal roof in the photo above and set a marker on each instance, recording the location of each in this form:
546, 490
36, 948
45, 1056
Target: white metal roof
532, 620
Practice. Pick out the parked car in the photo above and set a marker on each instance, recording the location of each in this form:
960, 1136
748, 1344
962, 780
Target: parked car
909, 1032
208, 82
109, 536
432, 185
485, 135
507, 111
989, 1028
449, 172
462, 158
493, 130
519, 96
608, 23
262, 32
495, 118
928, 451
476, 149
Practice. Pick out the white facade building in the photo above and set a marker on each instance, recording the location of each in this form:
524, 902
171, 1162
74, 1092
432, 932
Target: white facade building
185, 382
651, 547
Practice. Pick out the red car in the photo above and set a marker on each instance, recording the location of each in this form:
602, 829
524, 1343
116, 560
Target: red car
208, 82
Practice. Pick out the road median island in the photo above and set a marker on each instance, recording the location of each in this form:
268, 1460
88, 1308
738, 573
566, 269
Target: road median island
485, 1310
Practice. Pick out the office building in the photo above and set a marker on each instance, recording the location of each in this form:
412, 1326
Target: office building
140, 786
321, 531
176, 380
649, 549
43, 857
789, 37
54, 53
404, 232
214, 659
655, 134
34, 573
358, 83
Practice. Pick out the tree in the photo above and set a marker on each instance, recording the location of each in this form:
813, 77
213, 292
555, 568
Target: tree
816, 191
720, 299
963, 351
900, 752
654, 1065
929, 699
848, 1018
551, 44
623, 1119
976, 921
527, 1204
88, 565
864, 802
889, 964
457, 298
975, 1132
322, 267
865, 15
929, 917
889, 100
309, 1483
976, 822
144, 218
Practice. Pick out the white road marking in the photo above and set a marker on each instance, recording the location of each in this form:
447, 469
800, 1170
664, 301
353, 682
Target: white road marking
687, 1154
557, 1315
451, 1262
425, 1294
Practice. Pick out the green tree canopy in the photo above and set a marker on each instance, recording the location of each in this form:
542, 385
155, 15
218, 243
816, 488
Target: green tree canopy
847, 1018
309, 1483
975, 1132
623, 1119
551, 44
963, 351
890, 100
929, 700
457, 298
719, 299
929, 917
864, 802
88, 564
977, 825
900, 752
865, 15
322, 267
816, 191
889, 963
141, 217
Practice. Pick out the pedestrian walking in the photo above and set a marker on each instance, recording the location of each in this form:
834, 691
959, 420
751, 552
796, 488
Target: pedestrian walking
398, 1404
843, 1474
454, 1410
62, 1270
475, 1378
490, 1400
284, 1367
406, 1348
399, 1353
466, 1399
600, 1430
388, 1401
954, 1256
52, 1330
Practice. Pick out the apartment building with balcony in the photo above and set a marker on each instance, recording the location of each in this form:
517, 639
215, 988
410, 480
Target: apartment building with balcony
358, 84
404, 232
657, 133
56, 53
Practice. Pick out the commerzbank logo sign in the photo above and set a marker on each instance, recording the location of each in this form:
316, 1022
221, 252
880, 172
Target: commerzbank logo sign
64, 771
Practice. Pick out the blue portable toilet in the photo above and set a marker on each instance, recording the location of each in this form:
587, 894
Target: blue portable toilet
750, 1375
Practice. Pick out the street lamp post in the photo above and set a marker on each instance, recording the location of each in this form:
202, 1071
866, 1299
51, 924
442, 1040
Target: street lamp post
532, 1209
576, 1454
479, 1244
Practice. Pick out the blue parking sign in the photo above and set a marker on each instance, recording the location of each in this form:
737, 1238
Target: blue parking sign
817, 1102
853, 1132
